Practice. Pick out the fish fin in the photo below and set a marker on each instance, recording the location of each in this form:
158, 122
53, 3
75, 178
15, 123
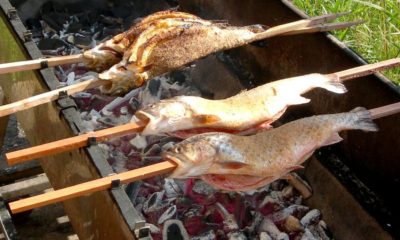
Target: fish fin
334, 138
204, 119
334, 85
296, 100
233, 165
294, 167
363, 120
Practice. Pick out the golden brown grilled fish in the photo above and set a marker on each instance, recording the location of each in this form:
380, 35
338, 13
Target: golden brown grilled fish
110, 52
169, 44
240, 163
261, 105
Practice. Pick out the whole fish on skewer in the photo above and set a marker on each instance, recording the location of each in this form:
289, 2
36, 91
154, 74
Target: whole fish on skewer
241, 163
258, 107
166, 44
248, 111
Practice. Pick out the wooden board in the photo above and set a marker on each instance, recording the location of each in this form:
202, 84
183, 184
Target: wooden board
93, 217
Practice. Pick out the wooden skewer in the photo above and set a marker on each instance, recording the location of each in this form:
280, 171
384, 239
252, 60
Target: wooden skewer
90, 187
39, 63
385, 111
49, 96
324, 27
68, 144
367, 69
81, 141
129, 176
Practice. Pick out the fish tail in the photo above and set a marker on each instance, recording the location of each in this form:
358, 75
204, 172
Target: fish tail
362, 120
333, 84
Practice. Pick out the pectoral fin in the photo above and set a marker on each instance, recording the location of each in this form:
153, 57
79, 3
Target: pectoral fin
294, 167
205, 119
233, 165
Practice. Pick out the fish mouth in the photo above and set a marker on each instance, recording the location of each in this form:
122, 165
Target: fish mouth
150, 120
121, 80
181, 169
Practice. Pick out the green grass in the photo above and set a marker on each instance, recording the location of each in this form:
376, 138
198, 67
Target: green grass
377, 39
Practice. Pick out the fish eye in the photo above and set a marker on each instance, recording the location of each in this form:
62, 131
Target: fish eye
179, 149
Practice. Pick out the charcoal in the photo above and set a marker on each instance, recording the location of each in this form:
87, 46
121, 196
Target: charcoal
168, 214
55, 20
293, 224
308, 235
174, 230
203, 188
51, 44
154, 87
139, 142
81, 41
311, 217
171, 188
209, 235
265, 236
318, 232
229, 221
74, 27
269, 227
154, 202
236, 236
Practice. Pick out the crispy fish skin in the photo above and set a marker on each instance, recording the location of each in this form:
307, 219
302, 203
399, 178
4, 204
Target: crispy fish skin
110, 52
240, 163
263, 104
175, 48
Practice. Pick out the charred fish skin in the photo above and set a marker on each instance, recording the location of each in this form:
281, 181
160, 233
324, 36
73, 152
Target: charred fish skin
263, 104
110, 52
266, 156
174, 49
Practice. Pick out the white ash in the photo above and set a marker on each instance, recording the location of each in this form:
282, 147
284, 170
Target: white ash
168, 214
139, 141
209, 235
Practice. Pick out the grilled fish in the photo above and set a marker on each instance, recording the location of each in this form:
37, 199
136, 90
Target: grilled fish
165, 44
261, 105
110, 52
241, 163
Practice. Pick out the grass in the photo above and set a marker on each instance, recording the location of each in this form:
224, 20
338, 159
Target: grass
377, 39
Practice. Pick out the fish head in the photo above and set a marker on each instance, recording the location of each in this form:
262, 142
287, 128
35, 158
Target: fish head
122, 78
193, 157
166, 116
101, 57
